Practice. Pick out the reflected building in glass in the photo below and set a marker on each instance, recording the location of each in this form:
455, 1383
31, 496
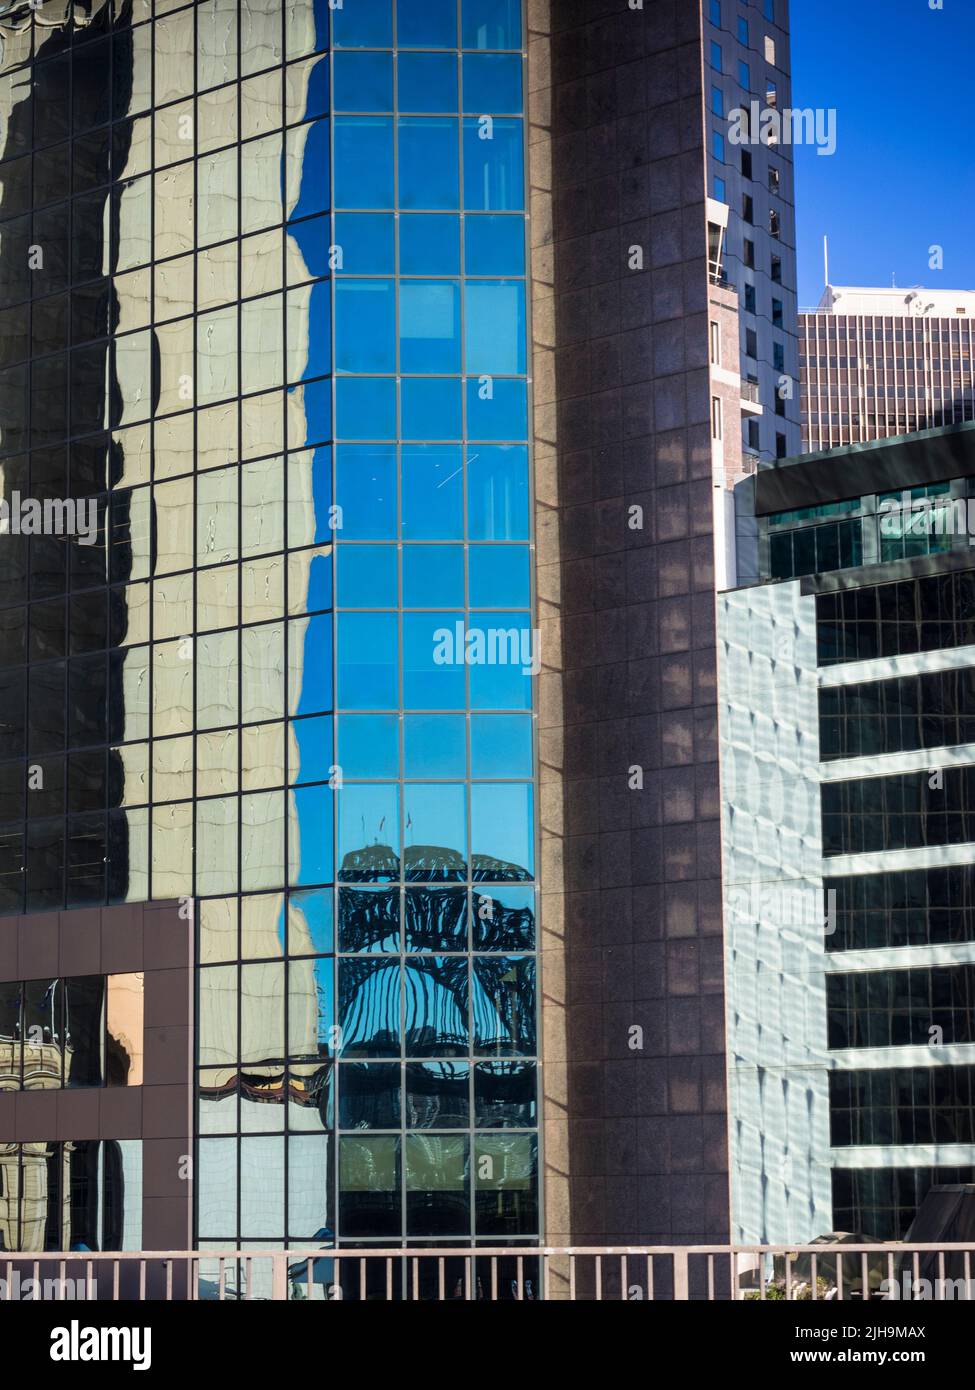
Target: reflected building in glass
360, 545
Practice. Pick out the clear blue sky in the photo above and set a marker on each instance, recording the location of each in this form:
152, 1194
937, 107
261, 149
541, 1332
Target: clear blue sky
903, 176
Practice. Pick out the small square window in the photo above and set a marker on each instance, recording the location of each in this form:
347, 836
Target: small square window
716, 56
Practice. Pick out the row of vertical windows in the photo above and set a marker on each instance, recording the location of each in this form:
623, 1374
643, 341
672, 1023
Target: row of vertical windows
906, 811
914, 907
901, 1008
932, 710
912, 615
881, 1203
902, 1105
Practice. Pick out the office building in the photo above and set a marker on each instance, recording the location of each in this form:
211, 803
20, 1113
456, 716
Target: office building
395, 358
881, 362
848, 753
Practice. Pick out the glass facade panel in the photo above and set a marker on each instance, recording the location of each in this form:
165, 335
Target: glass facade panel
278, 372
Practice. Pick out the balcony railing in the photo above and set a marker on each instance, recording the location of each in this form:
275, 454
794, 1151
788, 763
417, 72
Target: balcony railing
709, 1273
749, 391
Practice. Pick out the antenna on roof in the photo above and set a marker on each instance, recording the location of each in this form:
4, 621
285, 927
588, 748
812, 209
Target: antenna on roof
826, 261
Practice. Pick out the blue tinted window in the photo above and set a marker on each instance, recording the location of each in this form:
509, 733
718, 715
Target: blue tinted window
504, 648
716, 56
312, 141
310, 641
717, 145
366, 576
311, 835
365, 407
497, 492
494, 179
770, 10
366, 657
743, 31
313, 422
435, 745
368, 745
499, 574
501, 825
368, 815
433, 493
427, 81
365, 490
316, 89
426, 23
362, 81
313, 744
717, 101
744, 76
429, 325
428, 171
492, 83
310, 312
311, 478
363, 24
716, 12
429, 244
311, 238
720, 192
494, 245
367, 243
435, 819
491, 23
433, 576
319, 591
431, 408
501, 745
310, 922
497, 409
494, 327
433, 661
363, 162
365, 326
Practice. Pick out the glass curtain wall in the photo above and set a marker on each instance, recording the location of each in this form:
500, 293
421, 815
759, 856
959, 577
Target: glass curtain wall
263, 322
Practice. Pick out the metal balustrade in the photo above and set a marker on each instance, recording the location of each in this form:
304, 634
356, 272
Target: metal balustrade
707, 1273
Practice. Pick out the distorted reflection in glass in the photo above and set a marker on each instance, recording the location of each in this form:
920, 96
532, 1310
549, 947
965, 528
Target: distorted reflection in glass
435, 919
506, 1184
262, 1097
124, 1022
503, 918
503, 1004
435, 1005
312, 1024
369, 920
369, 1185
310, 1097
437, 1184
369, 1007
369, 1095
505, 1095
437, 1095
